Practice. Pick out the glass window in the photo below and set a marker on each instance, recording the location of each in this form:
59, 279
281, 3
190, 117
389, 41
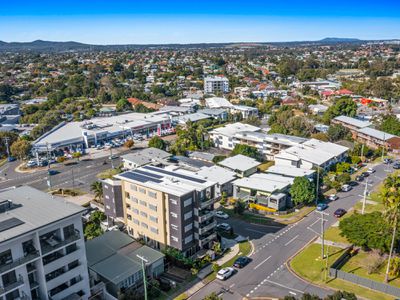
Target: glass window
133, 187
143, 214
142, 190
144, 225
187, 202
188, 215
154, 219
144, 203
152, 194
154, 230
153, 207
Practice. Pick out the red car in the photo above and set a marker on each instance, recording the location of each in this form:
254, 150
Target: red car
340, 212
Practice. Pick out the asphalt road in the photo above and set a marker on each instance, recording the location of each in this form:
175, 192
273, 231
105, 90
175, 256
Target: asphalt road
267, 274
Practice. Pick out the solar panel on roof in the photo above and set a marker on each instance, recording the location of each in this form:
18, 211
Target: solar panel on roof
148, 174
140, 178
10, 223
175, 174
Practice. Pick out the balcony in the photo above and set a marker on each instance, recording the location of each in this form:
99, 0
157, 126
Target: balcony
20, 261
65, 290
204, 204
204, 229
205, 240
207, 215
11, 286
52, 244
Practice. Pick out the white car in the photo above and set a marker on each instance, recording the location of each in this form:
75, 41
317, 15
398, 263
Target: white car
224, 226
221, 214
346, 188
225, 273
371, 170
333, 197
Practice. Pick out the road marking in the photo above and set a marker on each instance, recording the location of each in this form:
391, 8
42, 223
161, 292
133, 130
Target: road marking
292, 293
284, 286
292, 240
314, 223
262, 262
232, 285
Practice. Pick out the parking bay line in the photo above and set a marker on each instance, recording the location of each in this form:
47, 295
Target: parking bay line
292, 240
262, 262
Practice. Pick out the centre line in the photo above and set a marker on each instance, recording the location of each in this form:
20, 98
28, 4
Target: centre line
292, 240
262, 262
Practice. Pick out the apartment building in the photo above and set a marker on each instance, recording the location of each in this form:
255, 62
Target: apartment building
351, 124
166, 207
216, 84
112, 198
42, 249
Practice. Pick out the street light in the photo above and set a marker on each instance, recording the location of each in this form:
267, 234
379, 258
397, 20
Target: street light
144, 274
321, 235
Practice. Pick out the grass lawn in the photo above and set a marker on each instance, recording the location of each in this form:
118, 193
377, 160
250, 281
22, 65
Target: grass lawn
308, 265
108, 173
333, 234
248, 217
295, 216
356, 266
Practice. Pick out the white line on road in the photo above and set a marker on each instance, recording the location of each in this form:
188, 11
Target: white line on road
232, 285
292, 293
262, 262
314, 223
292, 240
284, 286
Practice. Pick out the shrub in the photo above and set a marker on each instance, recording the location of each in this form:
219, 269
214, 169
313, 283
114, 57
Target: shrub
374, 262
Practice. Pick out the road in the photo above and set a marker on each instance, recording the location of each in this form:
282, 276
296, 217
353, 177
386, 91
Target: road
267, 274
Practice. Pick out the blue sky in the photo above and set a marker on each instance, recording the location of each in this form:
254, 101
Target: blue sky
170, 21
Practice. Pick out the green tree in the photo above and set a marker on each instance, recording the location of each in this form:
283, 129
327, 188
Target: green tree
337, 132
212, 296
390, 124
391, 200
370, 231
302, 191
246, 150
157, 142
239, 208
20, 148
97, 188
344, 106
123, 105
11, 136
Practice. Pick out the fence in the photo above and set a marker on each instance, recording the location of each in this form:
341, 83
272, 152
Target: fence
365, 282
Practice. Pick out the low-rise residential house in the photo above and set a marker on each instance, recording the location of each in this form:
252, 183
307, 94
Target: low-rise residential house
245, 111
291, 172
222, 176
242, 165
216, 113
115, 259
145, 157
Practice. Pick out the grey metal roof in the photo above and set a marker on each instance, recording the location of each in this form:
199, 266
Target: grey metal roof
353, 121
35, 208
381, 135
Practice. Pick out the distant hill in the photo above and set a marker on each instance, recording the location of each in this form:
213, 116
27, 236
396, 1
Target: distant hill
50, 46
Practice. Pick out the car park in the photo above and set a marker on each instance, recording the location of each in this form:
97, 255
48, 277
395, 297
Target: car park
371, 170
224, 227
346, 188
322, 206
333, 197
353, 183
222, 215
360, 178
365, 174
340, 212
225, 273
241, 262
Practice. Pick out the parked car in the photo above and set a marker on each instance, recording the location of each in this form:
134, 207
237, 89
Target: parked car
31, 164
360, 178
241, 262
340, 212
52, 172
224, 226
353, 183
387, 161
11, 158
365, 174
322, 206
346, 188
396, 166
371, 170
114, 156
225, 273
222, 215
333, 197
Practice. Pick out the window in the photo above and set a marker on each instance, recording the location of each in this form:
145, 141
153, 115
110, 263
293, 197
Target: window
188, 215
136, 221
134, 199
135, 211
154, 230
189, 239
187, 202
153, 207
143, 214
127, 195
154, 219
69, 231
174, 215
174, 238
152, 194
133, 187
129, 217
142, 190
71, 248
174, 227
144, 225
128, 206
73, 265
174, 202
188, 227
144, 203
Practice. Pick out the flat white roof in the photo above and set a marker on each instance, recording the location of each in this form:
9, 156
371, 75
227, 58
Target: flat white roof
217, 102
289, 171
232, 129
217, 174
239, 162
260, 183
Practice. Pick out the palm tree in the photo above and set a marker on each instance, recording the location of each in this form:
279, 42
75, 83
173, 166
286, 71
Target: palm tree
391, 200
97, 188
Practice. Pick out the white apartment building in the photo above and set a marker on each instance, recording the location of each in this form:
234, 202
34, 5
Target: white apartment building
42, 249
216, 84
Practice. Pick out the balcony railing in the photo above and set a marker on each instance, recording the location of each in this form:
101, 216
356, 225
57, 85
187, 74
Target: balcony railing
206, 216
48, 247
206, 228
11, 286
205, 240
20, 261
206, 203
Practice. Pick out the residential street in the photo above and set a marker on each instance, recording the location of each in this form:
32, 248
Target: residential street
267, 274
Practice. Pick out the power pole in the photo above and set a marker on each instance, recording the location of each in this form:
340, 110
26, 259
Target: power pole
362, 151
6, 141
111, 158
322, 235
365, 197
383, 147
144, 275
317, 188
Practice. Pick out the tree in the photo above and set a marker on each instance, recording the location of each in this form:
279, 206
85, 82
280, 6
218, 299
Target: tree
390, 124
246, 150
212, 296
97, 188
20, 148
216, 267
157, 142
11, 136
129, 144
391, 200
239, 208
123, 105
302, 191
370, 231
337, 132
344, 106
320, 136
